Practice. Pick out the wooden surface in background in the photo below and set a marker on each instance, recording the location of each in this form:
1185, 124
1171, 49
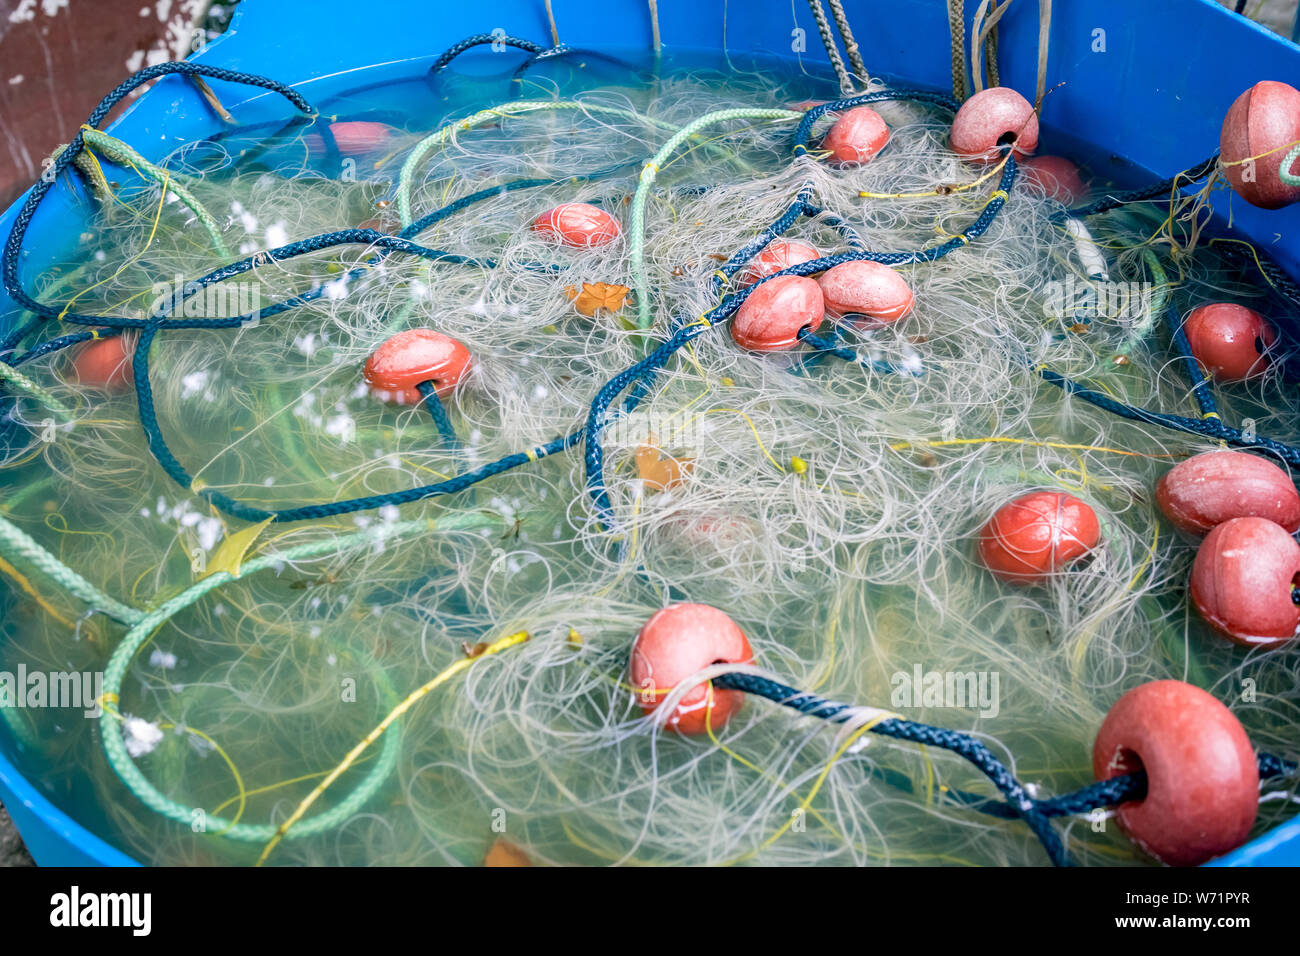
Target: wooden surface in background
57, 60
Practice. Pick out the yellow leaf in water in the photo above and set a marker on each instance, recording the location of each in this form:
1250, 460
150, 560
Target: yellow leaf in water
661, 472
234, 548
505, 853
598, 295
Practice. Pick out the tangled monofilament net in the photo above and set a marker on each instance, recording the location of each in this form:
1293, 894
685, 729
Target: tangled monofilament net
827, 507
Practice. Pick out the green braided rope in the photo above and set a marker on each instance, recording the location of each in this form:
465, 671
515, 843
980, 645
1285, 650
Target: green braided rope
422, 148
15, 500
648, 175
123, 155
1284, 171
14, 542
1161, 293
425, 145
41, 394
124, 653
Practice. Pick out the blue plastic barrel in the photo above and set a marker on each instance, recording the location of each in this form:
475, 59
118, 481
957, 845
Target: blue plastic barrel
1145, 82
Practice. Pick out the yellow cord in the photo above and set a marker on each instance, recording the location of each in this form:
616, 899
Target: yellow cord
162, 198
817, 785
943, 191
495, 647
1007, 440
30, 590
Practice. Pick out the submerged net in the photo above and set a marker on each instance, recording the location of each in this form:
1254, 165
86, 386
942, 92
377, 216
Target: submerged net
335, 630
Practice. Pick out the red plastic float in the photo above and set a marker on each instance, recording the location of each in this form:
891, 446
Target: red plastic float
1242, 579
103, 363
989, 116
1213, 487
1057, 177
1258, 131
674, 644
771, 318
578, 224
355, 137
781, 254
856, 136
1229, 340
412, 357
1036, 535
867, 289
1202, 776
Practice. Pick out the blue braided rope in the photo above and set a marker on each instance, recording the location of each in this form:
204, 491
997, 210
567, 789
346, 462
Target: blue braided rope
547, 54
1013, 791
804, 129
830, 348
1200, 381
1204, 427
13, 245
481, 39
1159, 190
1016, 802
62, 342
438, 412
810, 360
565, 50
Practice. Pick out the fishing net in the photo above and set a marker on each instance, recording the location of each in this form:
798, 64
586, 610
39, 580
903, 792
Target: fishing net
333, 629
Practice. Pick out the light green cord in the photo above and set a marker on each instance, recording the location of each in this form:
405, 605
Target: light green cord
41, 394
1159, 295
423, 148
120, 153
1284, 171
648, 175
14, 501
144, 626
14, 542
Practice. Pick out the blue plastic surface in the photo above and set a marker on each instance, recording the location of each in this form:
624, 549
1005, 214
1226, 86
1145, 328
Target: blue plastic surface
1147, 83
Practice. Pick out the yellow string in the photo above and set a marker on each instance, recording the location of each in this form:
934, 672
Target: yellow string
817, 785
1005, 439
752, 427
162, 198
1251, 159
30, 590
708, 724
273, 786
495, 647
107, 699
945, 191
